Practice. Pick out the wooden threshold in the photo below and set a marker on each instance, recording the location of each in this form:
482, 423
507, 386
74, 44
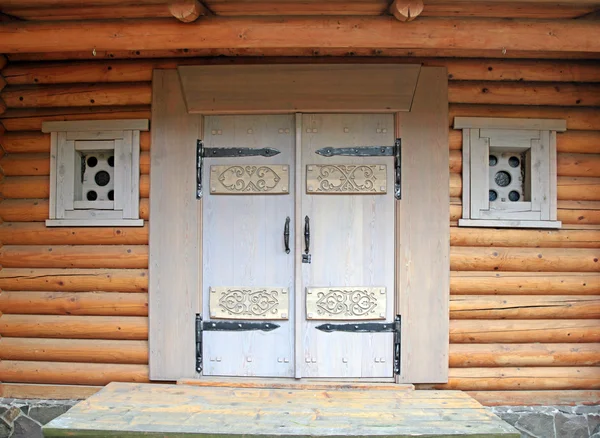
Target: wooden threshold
155, 410
308, 384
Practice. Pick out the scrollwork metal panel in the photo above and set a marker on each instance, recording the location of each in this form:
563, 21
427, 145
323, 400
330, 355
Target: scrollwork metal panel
249, 303
363, 179
249, 179
346, 303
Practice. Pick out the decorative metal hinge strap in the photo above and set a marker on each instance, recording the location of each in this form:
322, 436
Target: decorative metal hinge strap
202, 153
373, 151
225, 326
372, 327
198, 343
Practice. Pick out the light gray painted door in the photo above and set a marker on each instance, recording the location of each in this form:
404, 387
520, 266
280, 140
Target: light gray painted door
350, 205
247, 274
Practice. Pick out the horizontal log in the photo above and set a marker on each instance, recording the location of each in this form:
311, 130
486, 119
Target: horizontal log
36, 233
522, 331
140, 70
139, 93
20, 187
25, 164
455, 139
321, 52
580, 165
74, 303
536, 398
74, 350
522, 355
71, 373
523, 307
24, 210
578, 188
523, 259
91, 12
302, 32
47, 392
523, 283
509, 93
24, 142
586, 119
74, 280
107, 94
32, 119
527, 378
39, 164
574, 217
584, 142
74, 256
74, 327
36, 210
517, 238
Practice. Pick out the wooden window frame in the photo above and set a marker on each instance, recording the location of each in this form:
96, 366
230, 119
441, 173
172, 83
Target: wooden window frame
67, 138
534, 137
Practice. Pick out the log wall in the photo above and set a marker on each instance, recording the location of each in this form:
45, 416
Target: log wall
525, 304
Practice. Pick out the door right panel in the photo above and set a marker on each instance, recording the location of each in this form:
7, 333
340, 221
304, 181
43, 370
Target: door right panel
349, 203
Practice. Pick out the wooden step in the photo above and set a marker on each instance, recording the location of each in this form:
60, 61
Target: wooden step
136, 410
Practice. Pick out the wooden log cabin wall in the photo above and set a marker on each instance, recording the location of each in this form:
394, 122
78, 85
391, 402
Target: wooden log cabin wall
525, 304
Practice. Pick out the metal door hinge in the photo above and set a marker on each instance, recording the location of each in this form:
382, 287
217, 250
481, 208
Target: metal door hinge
225, 326
372, 327
373, 151
202, 153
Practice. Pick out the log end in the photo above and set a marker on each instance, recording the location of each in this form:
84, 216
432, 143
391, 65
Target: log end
187, 11
406, 10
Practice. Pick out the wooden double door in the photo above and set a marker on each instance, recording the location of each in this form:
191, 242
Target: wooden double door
298, 247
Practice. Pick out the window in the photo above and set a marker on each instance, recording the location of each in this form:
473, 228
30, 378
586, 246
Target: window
95, 172
509, 172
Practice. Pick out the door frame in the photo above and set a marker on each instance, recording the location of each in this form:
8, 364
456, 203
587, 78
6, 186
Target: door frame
422, 273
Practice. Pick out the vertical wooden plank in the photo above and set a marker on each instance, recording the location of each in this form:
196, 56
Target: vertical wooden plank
299, 227
466, 173
135, 176
174, 263
479, 184
53, 152
65, 179
552, 201
121, 182
545, 175
424, 245
130, 189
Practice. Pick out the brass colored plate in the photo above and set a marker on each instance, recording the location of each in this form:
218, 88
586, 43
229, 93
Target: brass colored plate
251, 179
365, 179
249, 303
345, 303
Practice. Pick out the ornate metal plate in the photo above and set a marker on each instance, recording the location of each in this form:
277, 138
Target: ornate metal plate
249, 303
345, 303
370, 179
249, 179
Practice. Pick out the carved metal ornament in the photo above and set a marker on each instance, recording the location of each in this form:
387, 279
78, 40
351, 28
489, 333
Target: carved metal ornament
249, 303
346, 303
249, 179
346, 178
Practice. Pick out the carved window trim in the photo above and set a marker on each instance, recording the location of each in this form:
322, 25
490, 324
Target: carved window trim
524, 152
115, 147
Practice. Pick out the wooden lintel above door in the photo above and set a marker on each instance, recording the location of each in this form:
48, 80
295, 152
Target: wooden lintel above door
271, 89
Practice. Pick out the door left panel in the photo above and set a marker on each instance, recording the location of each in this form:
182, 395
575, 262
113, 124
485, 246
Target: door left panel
247, 272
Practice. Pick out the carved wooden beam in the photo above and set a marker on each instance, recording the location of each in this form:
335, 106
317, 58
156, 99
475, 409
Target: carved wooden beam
187, 10
406, 10
290, 33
